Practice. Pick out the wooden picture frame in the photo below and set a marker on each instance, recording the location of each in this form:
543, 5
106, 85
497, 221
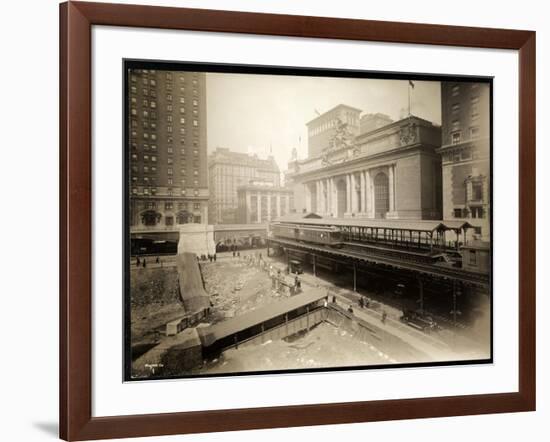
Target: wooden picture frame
76, 21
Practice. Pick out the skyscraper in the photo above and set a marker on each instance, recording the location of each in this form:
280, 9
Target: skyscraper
465, 153
167, 148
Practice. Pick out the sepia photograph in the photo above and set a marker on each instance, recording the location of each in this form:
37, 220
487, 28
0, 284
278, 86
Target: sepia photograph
282, 220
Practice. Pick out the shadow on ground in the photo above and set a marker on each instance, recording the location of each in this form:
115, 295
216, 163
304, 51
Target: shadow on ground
50, 428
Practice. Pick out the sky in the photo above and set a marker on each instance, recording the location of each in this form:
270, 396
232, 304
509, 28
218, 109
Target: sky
268, 113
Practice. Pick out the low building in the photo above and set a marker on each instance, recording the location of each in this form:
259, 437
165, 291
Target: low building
261, 202
476, 256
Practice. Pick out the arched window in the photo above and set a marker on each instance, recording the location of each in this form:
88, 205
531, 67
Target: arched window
150, 217
381, 195
184, 217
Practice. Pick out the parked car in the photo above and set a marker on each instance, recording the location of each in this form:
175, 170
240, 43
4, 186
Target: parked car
296, 267
418, 320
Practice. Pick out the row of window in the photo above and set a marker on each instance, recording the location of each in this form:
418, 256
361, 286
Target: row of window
170, 119
455, 90
471, 212
145, 124
145, 103
153, 136
146, 157
145, 113
169, 127
146, 135
153, 94
456, 136
153, 147
169, 76
153, 181
474, 109
169, 192
145, 146
169, 170
169, 97
153, 115
169, 205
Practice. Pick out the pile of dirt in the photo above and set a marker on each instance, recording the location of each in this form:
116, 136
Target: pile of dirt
236, 287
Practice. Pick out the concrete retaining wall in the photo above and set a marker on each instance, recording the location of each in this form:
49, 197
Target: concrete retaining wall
197, 239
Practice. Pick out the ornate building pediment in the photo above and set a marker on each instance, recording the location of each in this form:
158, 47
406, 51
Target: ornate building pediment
408, 134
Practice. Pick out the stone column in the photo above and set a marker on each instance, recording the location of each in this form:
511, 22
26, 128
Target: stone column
348, 188
248, 209
334, 198
307, 194
391, 186
259, 206
354, 204
317, 196
269, 207
369, 198
329, 195
363, 194
278, 202
287, 200
325, 195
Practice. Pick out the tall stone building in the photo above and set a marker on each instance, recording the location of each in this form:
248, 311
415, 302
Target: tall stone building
230, 170
167, 148
465, 153
391, 170
321, 130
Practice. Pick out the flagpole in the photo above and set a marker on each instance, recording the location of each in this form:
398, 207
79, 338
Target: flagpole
409, 93
410, 86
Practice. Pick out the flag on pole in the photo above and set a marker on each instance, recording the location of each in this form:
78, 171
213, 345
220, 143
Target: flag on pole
411, 84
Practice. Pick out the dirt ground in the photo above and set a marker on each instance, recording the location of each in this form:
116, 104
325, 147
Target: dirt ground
324, 346
154, 302
235, 287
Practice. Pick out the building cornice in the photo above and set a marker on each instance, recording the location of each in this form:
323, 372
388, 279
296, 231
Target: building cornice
377, 158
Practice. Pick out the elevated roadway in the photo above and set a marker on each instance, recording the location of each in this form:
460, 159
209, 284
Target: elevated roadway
347, 254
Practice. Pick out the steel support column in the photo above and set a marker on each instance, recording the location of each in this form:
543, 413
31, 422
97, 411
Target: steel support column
421, 293
354, 277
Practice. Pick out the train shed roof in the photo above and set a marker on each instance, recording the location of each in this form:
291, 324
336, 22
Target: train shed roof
396, 224
209, 335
